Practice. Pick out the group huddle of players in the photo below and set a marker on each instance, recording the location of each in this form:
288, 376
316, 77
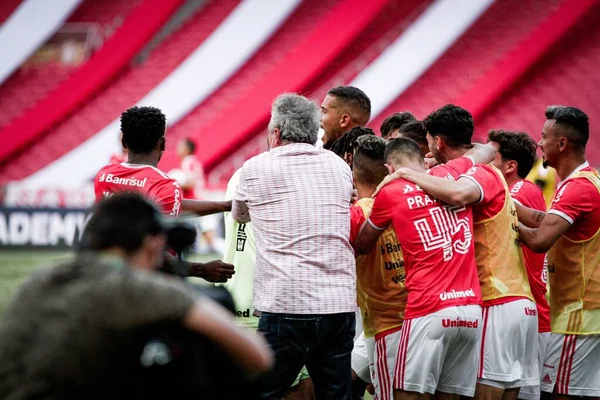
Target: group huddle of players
454, 249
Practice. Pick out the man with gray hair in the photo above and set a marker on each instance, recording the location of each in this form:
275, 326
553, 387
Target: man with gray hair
298, 199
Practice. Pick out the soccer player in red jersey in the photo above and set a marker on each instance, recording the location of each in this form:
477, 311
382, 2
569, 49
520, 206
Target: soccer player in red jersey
570, 232
515, 158
143, 131
143, 136
438, 350
509, 346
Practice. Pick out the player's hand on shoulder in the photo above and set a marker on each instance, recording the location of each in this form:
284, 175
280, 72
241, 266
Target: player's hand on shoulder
401, 173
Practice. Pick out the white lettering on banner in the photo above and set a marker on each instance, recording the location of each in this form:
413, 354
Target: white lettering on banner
40, 228
456, 294
447, 224
110, 178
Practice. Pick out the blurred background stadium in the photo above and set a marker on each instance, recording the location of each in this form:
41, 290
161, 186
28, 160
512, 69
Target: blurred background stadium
70, 67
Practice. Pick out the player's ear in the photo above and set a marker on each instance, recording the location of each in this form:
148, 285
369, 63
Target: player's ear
510, 166
390, 168
345, 120
562, 143
163, 141
123, 142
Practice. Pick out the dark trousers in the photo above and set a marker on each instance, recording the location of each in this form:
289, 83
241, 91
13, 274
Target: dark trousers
321, 342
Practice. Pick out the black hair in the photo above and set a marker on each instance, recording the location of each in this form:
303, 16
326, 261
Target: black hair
346, 143
142, 128
402, 148
395, 121
453, 123
416, 131
575, 124
517, 146
191, 145
369, 163
355, 98
123, 220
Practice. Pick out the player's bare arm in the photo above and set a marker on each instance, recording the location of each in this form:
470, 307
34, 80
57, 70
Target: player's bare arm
367, 238
529, 217
458, 193
245, 347
480, 154
205, 207
541, 239
213, 271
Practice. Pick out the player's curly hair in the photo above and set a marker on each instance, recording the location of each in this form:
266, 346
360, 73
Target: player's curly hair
395, 121
453, 123
142, 128
517, 146
347, 143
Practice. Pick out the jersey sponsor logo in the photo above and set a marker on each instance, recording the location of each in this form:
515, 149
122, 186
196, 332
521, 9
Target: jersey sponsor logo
392, 265
177, 200
547, 379
446, 224
459, 323
545, 270
110, 178
241, 238
400, 278
390, 248
531, 311
243, 314
408, 189
457, 294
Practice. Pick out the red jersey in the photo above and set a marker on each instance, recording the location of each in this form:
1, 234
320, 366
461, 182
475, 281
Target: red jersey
577, 200
500, 260
194, 177
530, 195
148, 180
436, 241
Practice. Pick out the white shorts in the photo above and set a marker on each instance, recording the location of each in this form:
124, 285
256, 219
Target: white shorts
533, 392
382, 372
360, 360
509, 345
572, 365
440, 352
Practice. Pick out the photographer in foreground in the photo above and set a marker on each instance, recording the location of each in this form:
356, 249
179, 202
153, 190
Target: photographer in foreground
78, 330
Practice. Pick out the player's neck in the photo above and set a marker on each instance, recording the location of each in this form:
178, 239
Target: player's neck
365, 190
568, 164
454, 153
512, 178
142, 159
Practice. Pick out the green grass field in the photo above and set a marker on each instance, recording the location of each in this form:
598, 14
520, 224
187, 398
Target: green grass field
17, 265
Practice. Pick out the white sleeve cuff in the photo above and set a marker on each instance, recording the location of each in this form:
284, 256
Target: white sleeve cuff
375, 226
562, 215
481, 194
